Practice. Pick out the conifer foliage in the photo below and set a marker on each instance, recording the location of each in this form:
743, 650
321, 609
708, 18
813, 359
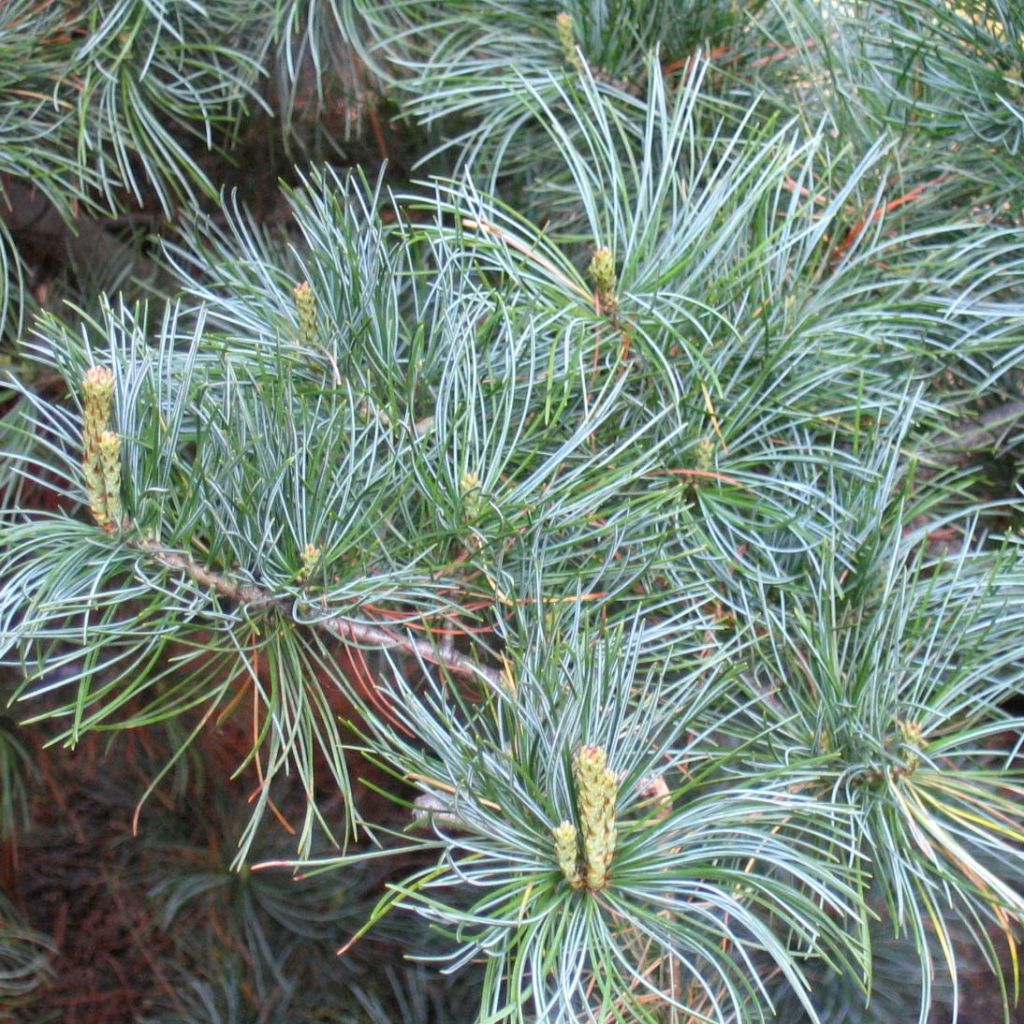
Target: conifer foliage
589, 564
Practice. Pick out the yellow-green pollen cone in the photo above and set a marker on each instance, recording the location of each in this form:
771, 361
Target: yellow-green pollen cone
567, 39
110, 462
310, 557
305, 304
98, 385
602, 272
567, 852
472, 500
101, 448
596, 794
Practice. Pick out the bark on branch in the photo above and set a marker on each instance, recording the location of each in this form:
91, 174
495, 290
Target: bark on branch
346, 629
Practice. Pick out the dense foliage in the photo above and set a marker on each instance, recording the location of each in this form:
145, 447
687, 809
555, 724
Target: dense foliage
597, 554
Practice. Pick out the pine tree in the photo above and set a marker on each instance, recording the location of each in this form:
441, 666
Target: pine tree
599, 555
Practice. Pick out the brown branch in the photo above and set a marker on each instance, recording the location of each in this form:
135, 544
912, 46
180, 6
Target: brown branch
343, 628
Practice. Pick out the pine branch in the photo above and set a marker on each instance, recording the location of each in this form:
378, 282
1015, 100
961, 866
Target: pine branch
339, 626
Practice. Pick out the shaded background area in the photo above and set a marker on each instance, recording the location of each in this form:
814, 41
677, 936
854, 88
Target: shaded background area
156, 927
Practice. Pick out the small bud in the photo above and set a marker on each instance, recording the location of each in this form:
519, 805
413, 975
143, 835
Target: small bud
705, 455
310, 556
305, 304
596, 794
602, 272
912, 734
469, 488
567, 39
567, 852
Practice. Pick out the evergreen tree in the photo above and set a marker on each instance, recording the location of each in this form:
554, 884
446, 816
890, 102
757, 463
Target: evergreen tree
600, 555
